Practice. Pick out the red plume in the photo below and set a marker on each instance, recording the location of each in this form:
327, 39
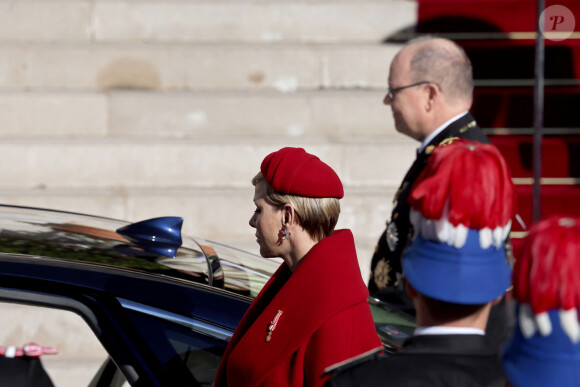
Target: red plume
473, 178
547, 275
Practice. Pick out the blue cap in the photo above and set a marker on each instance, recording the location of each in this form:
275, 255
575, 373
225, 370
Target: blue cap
468, 275
552, 360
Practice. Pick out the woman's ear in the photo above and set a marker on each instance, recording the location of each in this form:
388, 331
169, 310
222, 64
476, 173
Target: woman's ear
288, 214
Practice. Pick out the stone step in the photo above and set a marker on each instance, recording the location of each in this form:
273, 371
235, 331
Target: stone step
125, 164
46, 21
172, 67
202, 21
38, 115
330, 115
265, 21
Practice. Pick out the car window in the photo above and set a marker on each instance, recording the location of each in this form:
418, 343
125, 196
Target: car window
243, 273
179, 348
79, 356
109, 376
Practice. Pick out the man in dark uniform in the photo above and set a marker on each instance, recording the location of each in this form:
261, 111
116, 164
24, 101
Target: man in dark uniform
455, 271
430, 94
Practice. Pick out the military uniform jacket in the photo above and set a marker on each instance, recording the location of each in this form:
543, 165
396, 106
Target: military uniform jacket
386, 266
427, 360
313, 318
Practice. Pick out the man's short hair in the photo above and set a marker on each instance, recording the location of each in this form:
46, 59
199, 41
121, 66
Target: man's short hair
318, 216
445, 63
442, 311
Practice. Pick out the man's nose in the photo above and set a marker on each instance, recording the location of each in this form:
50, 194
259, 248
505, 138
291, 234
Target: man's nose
387, 100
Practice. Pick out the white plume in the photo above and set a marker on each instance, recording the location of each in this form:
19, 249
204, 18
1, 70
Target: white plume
569, 322
526, 319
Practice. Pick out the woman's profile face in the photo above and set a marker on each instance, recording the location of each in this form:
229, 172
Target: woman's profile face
268, 222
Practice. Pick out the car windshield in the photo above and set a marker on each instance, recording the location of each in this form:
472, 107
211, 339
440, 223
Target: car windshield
237, 270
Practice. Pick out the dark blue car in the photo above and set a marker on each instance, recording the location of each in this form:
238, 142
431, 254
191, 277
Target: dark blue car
162, 305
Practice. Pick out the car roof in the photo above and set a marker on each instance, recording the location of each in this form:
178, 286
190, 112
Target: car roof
75, 239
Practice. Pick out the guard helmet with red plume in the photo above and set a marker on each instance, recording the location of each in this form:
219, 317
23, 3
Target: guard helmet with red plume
547, 275
545, 347
466, 185
461, 210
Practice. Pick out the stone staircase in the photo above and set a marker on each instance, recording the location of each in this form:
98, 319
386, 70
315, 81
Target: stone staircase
141, 108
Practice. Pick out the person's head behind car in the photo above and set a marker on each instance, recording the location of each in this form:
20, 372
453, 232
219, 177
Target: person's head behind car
297, 202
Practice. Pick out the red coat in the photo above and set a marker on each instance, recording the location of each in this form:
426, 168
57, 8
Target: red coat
324, 319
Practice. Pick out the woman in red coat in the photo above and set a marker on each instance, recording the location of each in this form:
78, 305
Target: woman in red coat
313, 312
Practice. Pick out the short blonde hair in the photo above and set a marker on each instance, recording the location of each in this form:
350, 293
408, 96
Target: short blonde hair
317, 216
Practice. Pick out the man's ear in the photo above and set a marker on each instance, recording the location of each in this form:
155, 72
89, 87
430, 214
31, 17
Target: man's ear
433, 95
411, 292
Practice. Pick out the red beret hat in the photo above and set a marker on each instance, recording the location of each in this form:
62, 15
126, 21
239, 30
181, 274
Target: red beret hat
293, 171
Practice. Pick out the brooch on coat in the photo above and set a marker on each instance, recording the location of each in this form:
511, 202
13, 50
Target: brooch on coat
272, 325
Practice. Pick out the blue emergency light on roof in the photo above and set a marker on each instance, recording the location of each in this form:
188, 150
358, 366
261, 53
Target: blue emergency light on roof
158, 235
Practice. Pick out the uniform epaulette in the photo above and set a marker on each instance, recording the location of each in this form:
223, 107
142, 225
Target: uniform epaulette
465, 128
448, 140
349, 363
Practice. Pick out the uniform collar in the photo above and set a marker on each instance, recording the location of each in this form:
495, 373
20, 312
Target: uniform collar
434, 133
